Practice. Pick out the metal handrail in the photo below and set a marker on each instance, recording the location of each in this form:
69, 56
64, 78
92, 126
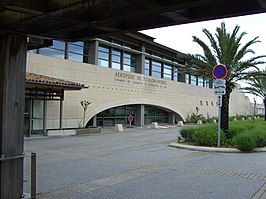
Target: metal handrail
33, 170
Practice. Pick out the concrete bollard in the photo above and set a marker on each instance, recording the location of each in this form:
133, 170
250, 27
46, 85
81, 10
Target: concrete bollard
118, 128
199, 122
154, 125
180, 124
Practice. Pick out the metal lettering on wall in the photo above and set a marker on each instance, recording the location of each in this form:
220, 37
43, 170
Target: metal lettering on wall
140, 80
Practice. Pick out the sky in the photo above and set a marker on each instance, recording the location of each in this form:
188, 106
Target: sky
179, 37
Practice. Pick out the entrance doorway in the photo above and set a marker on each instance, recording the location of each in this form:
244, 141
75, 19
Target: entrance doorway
117, 115
34, 117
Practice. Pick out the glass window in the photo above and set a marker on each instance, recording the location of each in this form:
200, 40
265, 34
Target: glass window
167, 72
200, 82
187, 79
207, 83
60, 45
129, 62
147, 67
193, 80
156, 69
120, 112
103, 56
52, 52
56, 50
116, 59
76, 51
175, 74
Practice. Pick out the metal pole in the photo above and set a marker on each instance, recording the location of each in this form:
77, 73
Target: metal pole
219, 124
33, 175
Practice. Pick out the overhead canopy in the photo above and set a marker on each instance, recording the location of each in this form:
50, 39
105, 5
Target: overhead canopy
48, 88
34, 81
81, 19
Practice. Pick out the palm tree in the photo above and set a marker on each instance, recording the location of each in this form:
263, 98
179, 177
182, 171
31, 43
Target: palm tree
225, 49
257, 86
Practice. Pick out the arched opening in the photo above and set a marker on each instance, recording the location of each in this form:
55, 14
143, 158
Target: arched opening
142, 115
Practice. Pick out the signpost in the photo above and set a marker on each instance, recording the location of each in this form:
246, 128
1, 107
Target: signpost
219, 72
130, 119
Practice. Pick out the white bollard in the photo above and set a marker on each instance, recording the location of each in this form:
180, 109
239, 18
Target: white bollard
199, 122
180, 124
154, 125
118, 127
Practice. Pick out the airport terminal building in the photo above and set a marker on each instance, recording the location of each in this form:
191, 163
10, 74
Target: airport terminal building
122, 75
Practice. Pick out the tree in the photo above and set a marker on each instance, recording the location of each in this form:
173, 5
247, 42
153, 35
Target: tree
84, 104
257, 86
226, 49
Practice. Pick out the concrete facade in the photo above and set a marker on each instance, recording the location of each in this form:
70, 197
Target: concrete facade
112, 88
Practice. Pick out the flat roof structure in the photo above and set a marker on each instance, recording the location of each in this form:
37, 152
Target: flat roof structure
81, 19
28, 24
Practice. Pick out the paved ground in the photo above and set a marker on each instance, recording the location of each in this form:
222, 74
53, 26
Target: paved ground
138, 164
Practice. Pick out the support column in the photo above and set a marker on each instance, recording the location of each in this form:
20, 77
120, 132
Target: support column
13, 53
94, 121
171, 118
61, 115
44, 117
140, 61
139, 115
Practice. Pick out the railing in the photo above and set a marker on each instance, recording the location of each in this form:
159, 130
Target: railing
33, 171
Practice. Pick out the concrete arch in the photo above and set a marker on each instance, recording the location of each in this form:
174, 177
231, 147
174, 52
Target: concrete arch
99, 108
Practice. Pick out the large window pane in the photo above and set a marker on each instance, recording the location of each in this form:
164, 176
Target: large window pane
200, 82
52, 52
167, 72
187, 79
116, 59
147, 67
156, 69
175, 74
193, 80
103, 56
129, 62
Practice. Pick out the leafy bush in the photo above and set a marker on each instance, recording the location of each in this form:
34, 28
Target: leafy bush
194, 118
187, 133
245, 141
239, 127
208, 136
259, 135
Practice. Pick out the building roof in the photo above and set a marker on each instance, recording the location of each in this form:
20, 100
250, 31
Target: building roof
84, 19
45, 82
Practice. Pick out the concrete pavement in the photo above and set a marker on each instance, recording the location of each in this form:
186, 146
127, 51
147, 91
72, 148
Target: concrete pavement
138, 163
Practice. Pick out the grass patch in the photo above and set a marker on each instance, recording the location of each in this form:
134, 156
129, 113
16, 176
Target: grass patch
244, 135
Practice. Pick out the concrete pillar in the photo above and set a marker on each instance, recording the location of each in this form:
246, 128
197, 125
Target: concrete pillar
139, 115
171, 118
44, 116
13, 53
94, 121
92, 52
140, 61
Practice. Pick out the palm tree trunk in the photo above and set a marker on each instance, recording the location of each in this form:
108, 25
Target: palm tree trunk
264, 101
225, 113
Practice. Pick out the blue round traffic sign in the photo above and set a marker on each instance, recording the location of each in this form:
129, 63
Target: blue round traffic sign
219, 71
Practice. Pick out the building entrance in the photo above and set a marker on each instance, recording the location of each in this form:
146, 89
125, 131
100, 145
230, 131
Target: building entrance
117, 115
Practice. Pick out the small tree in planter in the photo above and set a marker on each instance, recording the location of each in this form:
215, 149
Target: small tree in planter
84, 104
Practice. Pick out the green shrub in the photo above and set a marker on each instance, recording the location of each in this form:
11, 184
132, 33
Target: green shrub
187, 133
208, 136
259, 134
245, 141
239, 127
194, 118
